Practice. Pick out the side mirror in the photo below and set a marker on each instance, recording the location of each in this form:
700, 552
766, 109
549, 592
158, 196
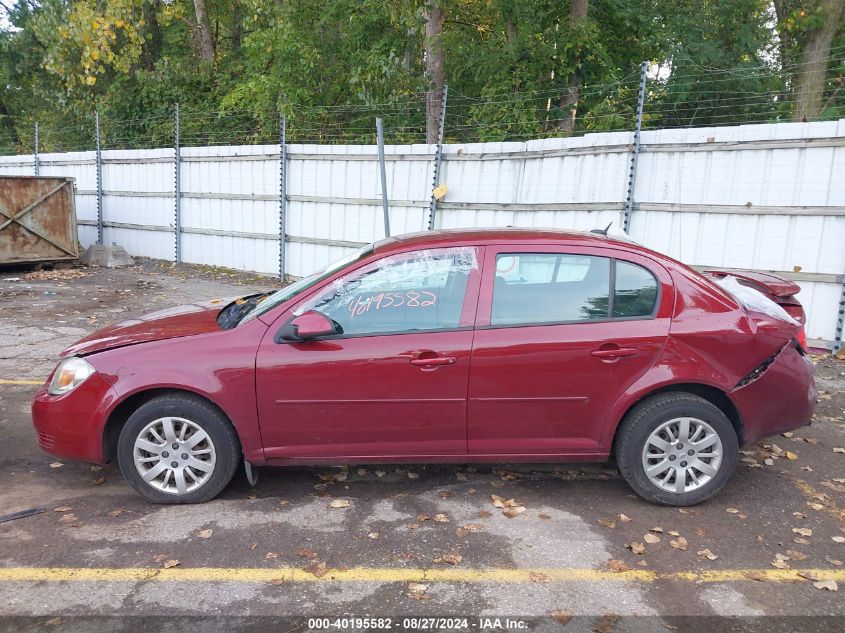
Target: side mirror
306, 326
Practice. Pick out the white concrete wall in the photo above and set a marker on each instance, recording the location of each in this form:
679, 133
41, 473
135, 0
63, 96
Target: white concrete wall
764, 197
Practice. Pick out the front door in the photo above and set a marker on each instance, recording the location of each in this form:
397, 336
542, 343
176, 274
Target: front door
562, 334
393, 382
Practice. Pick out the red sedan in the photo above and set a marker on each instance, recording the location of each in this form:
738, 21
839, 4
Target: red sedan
500, 345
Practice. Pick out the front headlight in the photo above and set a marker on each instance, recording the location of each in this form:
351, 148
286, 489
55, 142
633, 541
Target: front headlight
70, 373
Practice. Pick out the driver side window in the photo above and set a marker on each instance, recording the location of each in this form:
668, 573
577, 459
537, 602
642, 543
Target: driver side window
423, 290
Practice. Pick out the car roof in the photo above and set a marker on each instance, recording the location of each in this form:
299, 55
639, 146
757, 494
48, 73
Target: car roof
447, 237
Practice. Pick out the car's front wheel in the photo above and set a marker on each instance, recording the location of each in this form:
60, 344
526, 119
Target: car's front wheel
676, 449
178, 449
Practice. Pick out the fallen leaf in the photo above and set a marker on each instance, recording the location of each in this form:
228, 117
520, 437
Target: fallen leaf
513, 512
780, 564
829, 585
755, 575
656, 529
417, 587
732, 510
318, 568
791, 456
561, 616
624, 519
679, 543
306, 552
651, 538
484, 514
808, 575
205, 533
373, 535
498, 502
172, 562
117, 512
441, 518
67, 518
834, 561
56, 465
544, 516
98, 481
339, 503
536, 576
607, 523
63, 509
283, 502
706, 553
838, 539
638, 548
803, 531
278, 581
796, 555
815, 506
381, 473
271, 555
673, 533
800, 541
617, 566
835, 450
452, 559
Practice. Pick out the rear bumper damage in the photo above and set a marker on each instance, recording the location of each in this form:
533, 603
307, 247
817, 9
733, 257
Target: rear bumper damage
780, 396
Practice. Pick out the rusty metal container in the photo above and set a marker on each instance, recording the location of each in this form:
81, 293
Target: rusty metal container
37, 220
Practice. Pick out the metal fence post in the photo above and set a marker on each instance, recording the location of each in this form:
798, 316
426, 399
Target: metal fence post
283, 193
177, 189
635, 149
838, 345
36, 156
438, 157
380, 139
99, 178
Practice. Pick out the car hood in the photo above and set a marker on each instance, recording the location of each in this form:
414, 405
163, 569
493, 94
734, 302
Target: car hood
186, 320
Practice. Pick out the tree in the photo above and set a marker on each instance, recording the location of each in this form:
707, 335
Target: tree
578, 10
205, 39
815, 59
435, 69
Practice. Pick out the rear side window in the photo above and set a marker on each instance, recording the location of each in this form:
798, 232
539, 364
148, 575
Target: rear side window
635, 291
549, 288
536, 288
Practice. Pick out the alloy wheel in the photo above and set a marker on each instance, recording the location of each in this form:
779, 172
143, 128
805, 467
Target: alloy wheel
174, 455
682, 455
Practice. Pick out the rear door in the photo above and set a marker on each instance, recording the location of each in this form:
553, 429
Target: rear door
562, 333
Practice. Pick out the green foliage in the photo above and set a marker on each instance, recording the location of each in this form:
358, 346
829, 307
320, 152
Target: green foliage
331, 67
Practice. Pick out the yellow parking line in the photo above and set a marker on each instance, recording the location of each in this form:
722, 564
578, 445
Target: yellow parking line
386, 575
4, 381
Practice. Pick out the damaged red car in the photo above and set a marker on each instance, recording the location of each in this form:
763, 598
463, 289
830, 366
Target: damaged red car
494, 345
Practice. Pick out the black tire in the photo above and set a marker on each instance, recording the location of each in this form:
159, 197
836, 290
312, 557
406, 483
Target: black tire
645, 418
200, 412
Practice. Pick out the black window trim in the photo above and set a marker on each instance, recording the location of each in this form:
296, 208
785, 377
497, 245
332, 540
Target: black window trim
612, 288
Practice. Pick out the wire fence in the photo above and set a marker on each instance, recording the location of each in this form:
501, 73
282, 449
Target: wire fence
673, 99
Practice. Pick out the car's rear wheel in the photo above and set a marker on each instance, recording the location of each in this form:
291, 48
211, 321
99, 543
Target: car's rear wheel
676, 449
178, 449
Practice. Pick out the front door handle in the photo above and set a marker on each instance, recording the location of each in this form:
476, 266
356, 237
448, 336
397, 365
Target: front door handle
615, 352
434, 361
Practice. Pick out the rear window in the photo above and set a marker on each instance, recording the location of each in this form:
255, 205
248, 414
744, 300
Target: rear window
547, 288
536, 288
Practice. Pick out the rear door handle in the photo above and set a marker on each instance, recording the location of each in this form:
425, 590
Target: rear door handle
434, 360
618, 352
